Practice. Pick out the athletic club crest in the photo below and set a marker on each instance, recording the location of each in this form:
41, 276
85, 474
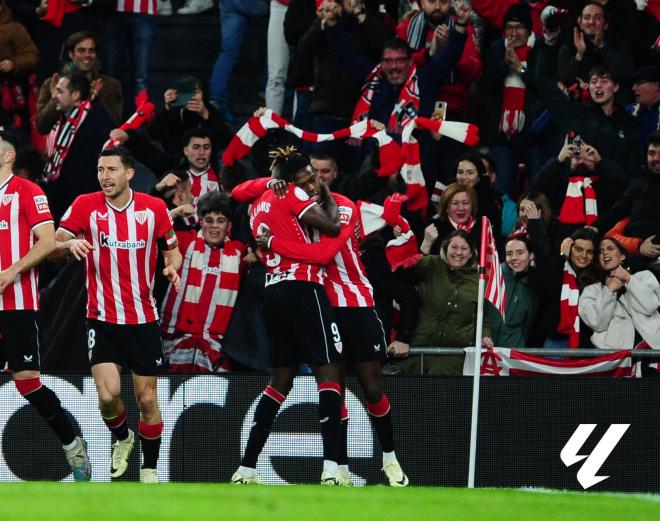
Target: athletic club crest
141, 217
7, 198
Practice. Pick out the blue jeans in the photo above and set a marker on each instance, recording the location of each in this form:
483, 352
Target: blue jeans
138, 30
234, 18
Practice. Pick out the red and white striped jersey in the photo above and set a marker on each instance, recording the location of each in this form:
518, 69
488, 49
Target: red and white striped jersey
202, 182
137, 6
23, 207
280, 216
120, 269
346, 282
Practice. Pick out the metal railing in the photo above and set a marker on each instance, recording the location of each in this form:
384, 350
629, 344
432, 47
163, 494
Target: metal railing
636, 354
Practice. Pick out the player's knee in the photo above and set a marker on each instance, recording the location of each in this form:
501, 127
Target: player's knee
108, 396
373, 393
147, 401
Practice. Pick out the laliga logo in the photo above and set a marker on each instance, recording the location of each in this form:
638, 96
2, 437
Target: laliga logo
587, 473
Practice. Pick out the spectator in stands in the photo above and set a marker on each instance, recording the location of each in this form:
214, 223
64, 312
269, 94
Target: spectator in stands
172, 122
599, 122
448, 305
300, 15
509, 208
18, 58
558, 281
646, 107
639, 203
426, 32
521, 299
580, 184
133, 25
74, 143
622, 308
513, 107
591, 47
470, 171
196, 317
81, 50
457, 210
388, 94
234, 18
536, 222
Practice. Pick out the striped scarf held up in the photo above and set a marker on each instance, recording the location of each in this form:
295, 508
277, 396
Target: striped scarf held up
569, 319
60, 139
579, 205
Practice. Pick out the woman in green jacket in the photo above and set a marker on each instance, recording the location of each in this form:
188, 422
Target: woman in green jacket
448, 286
522, 301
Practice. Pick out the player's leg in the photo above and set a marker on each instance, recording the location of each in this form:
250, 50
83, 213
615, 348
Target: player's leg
269, 405
21, 339
343, 473
107, 377
330, 401
151, 425
378, 406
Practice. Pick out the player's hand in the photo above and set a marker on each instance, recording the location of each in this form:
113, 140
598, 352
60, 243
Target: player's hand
263, 240
79, 248
279, 187
398, 349
7, 277
167, 182
172, 275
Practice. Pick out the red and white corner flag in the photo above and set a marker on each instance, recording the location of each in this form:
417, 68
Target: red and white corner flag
490, 261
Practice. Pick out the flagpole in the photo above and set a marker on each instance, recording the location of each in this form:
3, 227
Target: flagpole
485, 223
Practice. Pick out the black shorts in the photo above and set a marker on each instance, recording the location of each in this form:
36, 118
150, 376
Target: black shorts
301, 325
20, 339
362, 333
138, 347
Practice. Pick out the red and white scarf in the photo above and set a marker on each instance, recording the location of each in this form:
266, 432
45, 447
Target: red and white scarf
61, 138
196, 317
512, 118
569, 319
256, 128
579, 205
411, 171
143, 114
405, 109
466, 226
402, 251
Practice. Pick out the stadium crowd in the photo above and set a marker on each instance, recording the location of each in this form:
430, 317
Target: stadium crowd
351, 232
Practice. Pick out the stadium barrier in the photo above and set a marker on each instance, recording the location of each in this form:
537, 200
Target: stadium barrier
524, 426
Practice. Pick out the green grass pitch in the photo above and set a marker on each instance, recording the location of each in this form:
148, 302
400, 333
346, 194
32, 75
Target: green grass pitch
39, 501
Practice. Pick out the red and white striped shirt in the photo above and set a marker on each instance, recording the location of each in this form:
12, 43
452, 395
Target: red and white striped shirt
280, 216
120, 269
202, 182
137, 6
23, 207
346, 282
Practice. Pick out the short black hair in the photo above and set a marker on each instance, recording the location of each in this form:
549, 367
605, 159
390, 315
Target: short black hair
475, 159
214, 202
323, 156
654, 139
398, 44
122, 153
196, 132
603, 71
78, 82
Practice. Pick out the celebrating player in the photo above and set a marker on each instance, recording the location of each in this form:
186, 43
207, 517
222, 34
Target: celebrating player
298, 315
121, 233
351, 296
24, 215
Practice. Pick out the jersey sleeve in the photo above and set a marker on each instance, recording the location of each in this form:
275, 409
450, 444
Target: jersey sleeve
248, 191
325, 250
73, 220
36, 207
164, 227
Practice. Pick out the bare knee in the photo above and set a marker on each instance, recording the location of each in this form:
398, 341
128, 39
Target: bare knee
147, 401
